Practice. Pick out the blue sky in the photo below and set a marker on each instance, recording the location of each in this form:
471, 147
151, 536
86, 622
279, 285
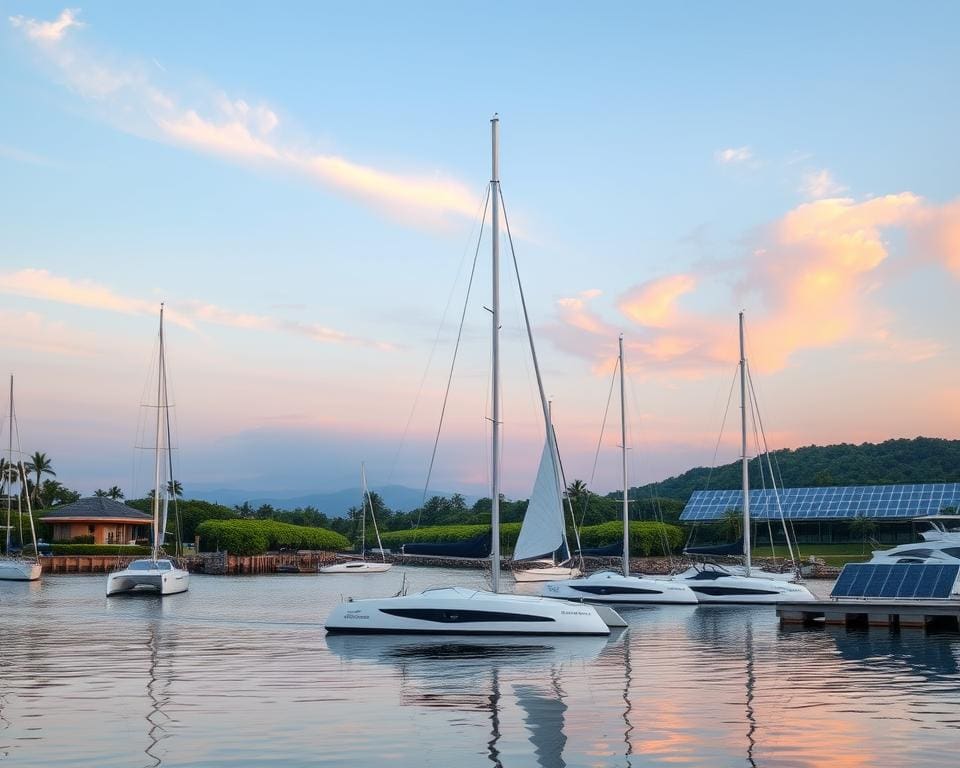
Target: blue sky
300, 183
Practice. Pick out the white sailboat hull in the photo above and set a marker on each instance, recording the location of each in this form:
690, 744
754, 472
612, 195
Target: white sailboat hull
550, 573
155, 581
458, 611
357, 566
19, 570
760, 588
616, 589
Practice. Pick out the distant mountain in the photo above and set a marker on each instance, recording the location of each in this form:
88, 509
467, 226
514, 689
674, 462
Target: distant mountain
397, 497
920, 460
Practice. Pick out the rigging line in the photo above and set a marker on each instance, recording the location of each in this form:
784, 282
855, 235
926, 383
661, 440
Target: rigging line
436, 340
453, 362
754, 420
723, 425
656, 508
172, 491
776, 495
573, 519
596, 455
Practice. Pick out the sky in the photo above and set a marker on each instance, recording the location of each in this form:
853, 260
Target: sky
302, 185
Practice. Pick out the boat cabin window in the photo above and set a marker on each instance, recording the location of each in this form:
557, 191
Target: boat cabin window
917, 552
140, 565
952, 551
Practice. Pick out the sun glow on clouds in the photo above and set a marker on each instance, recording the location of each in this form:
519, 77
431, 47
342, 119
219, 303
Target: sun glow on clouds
811, 278
41, 284
235, 130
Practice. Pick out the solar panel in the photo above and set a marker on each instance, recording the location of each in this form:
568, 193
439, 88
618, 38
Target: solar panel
845, 502
900, 581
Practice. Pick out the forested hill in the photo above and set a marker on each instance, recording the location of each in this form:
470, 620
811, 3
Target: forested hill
920, 460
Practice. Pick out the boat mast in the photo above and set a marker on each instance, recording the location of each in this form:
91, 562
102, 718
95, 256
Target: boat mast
156, 478
363, 511
495, 312
745, 461
623, 459
8, 472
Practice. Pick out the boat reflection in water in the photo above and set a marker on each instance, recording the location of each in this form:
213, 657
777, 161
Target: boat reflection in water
467, 674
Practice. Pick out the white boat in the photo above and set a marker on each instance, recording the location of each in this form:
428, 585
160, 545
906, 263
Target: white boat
622, 588
361, 564
714, 583
453, 610
938, 530
156, 575
942, 552
545, 570
19, 567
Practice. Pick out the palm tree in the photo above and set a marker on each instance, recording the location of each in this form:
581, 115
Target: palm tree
174, 488
576, 492
114, 492
100, 493
42, 465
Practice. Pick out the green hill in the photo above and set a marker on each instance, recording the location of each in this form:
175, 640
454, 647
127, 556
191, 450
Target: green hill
920, 460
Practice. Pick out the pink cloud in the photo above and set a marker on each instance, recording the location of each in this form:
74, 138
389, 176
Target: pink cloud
811, 276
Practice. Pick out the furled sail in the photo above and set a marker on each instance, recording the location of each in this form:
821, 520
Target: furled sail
542, 532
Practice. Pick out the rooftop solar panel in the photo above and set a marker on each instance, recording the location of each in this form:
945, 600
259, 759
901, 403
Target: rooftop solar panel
876, 501
900, 581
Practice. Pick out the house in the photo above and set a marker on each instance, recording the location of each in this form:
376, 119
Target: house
106, 520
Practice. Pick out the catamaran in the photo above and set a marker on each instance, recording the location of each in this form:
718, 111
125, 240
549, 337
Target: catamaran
20, 567
157, 574
622, 588
714, 583
456, 610
361, 564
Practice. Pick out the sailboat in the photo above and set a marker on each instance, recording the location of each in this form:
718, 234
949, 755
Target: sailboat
543, 531
456, 610
17, 568
622, 588
714, 583
361, 564
157, 574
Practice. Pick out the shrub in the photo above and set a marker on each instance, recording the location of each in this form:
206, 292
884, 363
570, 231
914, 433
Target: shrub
437, 534
646, 538
254, 537
97, 549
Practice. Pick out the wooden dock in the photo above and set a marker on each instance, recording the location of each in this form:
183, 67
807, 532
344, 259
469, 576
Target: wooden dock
943, 614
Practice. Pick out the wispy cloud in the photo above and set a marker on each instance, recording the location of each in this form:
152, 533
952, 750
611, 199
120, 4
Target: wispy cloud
234, 129
48, 31
809, 280
733, 155
43, 285
817, 185
22, 156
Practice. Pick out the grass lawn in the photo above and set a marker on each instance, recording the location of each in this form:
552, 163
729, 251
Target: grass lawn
832, 554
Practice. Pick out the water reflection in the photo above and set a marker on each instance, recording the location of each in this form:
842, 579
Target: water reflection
465, 674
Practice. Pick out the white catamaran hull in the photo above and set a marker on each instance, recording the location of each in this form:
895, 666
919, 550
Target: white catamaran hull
712, 586
458, 611
157, 582
356, 567
617, 589
19, 570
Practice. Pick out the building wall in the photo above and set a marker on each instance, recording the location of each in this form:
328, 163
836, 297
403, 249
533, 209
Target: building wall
103, 533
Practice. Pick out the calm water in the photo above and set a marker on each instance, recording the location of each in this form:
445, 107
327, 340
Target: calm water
238, 672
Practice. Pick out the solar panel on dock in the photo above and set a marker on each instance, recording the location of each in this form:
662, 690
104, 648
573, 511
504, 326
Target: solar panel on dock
896, 581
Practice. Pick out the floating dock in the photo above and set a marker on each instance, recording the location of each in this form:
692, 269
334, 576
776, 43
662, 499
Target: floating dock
940, 614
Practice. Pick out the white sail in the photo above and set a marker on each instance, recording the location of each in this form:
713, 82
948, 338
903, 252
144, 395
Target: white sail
542, 531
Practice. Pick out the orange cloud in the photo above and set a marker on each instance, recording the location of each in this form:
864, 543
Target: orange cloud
42, 284
812, 276
237, 131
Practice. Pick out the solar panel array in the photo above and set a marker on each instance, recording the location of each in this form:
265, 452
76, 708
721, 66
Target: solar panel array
877, 501
899, 581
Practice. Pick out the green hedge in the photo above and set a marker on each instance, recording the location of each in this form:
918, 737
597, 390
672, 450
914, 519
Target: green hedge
98, 549
646, 538
254, 537
436, 534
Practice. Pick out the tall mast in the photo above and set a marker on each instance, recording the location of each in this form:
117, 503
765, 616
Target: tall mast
156, 479
363, 510
623, 459
495, 312
8, 476
745, 461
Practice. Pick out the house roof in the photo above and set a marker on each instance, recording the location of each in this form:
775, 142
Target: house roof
96, 509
